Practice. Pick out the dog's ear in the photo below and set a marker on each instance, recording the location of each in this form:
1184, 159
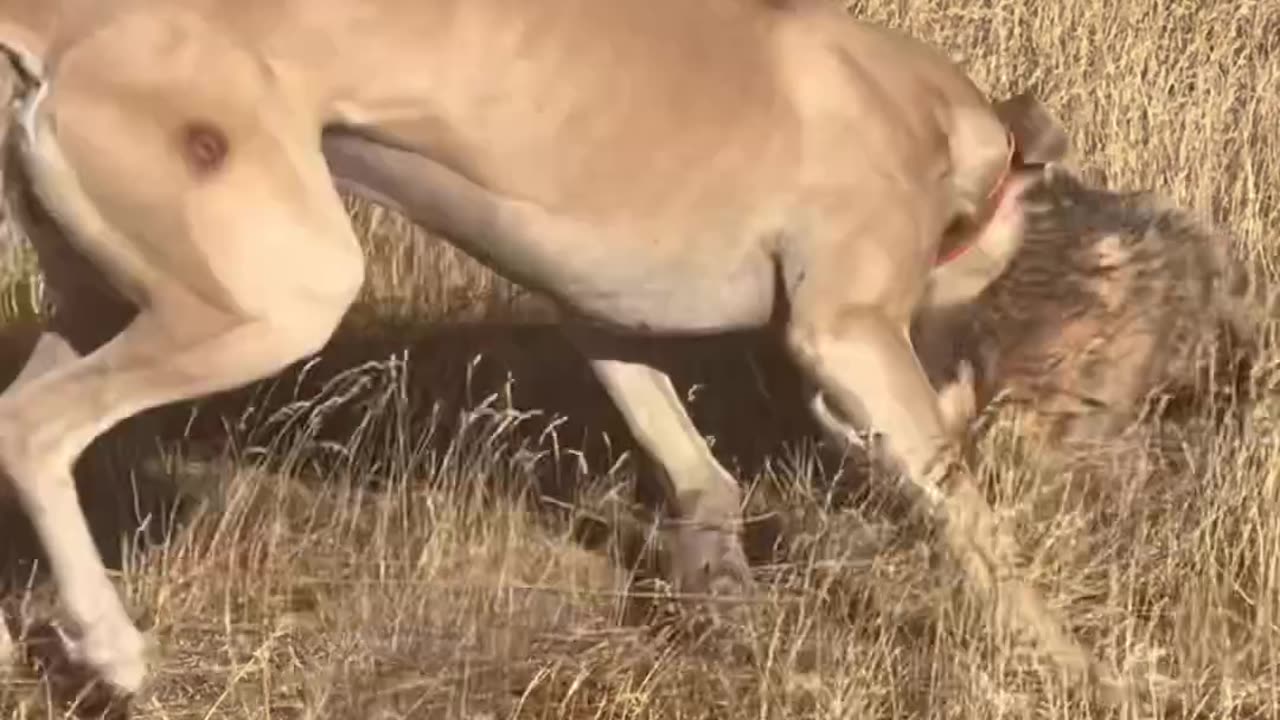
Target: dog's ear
1037, 134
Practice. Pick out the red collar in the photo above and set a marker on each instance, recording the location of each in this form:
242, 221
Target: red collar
947, 254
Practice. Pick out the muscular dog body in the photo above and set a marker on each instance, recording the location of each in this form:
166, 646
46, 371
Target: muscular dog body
656, 167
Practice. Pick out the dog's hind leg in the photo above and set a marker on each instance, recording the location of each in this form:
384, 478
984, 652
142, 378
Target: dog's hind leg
205, 237
50, 351
85, 312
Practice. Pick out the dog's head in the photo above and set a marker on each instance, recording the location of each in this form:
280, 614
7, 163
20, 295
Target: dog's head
975, 250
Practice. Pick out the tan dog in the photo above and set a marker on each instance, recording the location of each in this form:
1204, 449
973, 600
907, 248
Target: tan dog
657, 167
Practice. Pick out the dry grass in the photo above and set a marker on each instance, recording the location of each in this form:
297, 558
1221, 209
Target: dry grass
356, 552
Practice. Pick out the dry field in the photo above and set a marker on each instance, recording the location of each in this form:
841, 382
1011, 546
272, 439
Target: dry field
435, 519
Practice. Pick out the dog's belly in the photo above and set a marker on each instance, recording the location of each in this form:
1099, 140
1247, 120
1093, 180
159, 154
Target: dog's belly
719, 277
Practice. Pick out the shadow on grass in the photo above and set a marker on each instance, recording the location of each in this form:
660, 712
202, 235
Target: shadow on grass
740, 389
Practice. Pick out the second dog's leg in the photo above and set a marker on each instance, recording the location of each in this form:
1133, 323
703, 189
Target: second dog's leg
706, 499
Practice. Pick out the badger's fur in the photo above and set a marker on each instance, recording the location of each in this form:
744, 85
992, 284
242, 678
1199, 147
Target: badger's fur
1118, 304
